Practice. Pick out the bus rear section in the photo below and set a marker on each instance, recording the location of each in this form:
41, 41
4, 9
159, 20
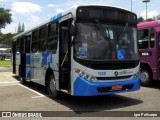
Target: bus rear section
149, 51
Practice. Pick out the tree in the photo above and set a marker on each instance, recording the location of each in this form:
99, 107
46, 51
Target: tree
6, 39
5, 17
158, 17
150, 19
23, 28
19, 28
140, 19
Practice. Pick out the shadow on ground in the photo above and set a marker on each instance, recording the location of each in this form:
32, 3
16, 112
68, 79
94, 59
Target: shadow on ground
88, 104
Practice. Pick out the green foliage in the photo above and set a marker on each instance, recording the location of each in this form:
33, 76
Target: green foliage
150, 19
158, 17
6, 38
5, 63
140, 19
5, 17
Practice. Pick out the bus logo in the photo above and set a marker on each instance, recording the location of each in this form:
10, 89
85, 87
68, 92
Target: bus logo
116, 73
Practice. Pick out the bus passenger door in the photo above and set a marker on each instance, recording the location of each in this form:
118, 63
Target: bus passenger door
28, 57
14, 56
23, 58
65, 55
158, 39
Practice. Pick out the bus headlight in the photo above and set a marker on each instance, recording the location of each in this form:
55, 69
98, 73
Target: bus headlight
86, 76
135, 75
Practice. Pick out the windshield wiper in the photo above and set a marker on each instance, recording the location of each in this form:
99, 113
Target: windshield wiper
122, 32
105, 35
100, 57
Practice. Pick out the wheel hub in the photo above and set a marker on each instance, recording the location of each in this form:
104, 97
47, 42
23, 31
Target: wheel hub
52, 86
144, 76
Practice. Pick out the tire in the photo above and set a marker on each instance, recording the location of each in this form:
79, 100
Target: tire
51, 87
146, 77
22, 80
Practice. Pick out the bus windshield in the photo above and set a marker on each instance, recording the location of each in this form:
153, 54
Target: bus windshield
105, 42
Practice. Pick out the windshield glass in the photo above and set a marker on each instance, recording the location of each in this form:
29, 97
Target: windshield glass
105, 42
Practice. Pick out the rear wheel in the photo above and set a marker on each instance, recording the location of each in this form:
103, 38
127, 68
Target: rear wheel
51, 87
22, 80
146, 77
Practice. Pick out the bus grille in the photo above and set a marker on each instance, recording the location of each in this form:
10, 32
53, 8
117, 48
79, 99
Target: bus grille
114, 78
113, 66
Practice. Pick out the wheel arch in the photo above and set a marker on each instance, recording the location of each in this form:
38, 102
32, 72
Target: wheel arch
146, 65
49, 71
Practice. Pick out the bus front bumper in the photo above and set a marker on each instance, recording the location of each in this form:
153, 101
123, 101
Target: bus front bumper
83, 87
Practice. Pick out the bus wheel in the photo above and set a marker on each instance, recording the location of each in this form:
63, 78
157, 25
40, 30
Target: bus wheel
22, 80
146, 77
53, 93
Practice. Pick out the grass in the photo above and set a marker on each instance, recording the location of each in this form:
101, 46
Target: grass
5, 63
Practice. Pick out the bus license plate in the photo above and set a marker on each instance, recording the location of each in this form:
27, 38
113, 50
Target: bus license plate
117, 87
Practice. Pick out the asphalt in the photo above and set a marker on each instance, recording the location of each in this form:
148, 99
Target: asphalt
8, 78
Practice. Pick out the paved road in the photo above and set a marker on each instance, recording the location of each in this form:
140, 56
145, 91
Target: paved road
32, 97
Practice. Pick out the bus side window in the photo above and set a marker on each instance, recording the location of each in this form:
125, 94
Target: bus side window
42, 38
152, 38
52, 40
35, 39
143, 38
18, 45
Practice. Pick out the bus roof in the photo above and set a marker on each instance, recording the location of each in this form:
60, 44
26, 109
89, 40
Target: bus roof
148, 24
70, 10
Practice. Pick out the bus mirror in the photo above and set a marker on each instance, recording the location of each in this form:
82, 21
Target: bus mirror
73, 29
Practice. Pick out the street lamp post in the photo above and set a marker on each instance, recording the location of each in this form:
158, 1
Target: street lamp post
146, 1
131, 5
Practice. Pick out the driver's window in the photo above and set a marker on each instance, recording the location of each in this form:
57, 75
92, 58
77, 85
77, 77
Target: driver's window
152, 38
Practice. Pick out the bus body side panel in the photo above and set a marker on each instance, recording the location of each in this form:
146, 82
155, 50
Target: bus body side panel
35, 64
158, 53
18, 58
40, 62
149, 60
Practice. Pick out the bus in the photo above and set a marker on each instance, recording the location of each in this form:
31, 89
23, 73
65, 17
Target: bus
149, 51
5, 53
61, 54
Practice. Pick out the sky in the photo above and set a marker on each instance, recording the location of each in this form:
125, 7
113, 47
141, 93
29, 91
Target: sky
34, 12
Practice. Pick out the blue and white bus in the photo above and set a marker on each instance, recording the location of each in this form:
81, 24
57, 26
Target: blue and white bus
87, 50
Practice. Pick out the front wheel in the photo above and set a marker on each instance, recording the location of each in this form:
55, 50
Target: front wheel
146, 77
51, 87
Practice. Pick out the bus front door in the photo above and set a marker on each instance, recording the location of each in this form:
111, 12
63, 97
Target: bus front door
65, 56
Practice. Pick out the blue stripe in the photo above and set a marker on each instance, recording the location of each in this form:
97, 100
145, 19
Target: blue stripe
28, 59
83, 87
56, 17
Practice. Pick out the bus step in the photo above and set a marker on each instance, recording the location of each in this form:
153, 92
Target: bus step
28, 80
64, 91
